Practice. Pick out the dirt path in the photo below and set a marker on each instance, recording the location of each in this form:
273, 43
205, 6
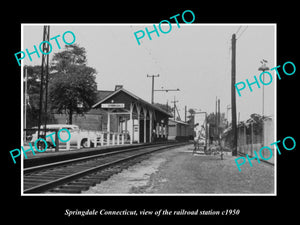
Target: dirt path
180, 172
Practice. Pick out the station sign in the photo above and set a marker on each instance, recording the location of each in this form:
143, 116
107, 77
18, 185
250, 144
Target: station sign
113, 105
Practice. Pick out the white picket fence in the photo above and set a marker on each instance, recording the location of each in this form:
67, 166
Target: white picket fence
97, 139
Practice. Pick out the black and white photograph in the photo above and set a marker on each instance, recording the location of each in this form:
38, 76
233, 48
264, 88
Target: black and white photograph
145, 109
149, 113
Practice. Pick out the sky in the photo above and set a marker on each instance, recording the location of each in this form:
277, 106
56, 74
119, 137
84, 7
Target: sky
196, 58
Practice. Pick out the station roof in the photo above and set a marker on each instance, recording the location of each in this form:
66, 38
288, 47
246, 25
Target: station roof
178, 121
101, 94
135, 98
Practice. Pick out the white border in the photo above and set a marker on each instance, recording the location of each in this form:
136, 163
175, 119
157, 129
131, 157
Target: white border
139, 24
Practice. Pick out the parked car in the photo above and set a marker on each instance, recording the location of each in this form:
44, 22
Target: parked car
76, 134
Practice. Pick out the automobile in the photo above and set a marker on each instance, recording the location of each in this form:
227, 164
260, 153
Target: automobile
76, 134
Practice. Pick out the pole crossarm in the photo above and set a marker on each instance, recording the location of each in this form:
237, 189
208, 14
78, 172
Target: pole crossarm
166, 90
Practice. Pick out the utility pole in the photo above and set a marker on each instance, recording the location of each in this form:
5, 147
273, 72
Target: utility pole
219, 123
228, 108
152, 91
219, 119
263, 68
26, 102
174, 107
216, 119
178, 113
44, 81
233, 96
185, 109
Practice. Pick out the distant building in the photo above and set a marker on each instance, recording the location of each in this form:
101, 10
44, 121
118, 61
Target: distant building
179, 130
94, 119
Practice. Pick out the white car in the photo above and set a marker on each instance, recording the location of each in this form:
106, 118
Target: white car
76, 135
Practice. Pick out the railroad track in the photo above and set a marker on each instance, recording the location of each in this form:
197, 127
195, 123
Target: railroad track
76, 175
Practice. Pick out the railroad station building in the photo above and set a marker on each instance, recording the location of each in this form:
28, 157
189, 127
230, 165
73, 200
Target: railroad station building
128, 113
120, 111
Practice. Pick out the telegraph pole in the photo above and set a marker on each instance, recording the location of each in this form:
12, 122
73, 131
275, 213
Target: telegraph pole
44, 80
219, 119
152, 91
233, 97
228, 107
263, 68
26, 101
174, 107
216, 119
185, 109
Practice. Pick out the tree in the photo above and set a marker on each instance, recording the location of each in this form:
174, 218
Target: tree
33, 94
214, 129
257, 121
32, 99
72, 85
191, 116
73, 55
191, 112
167, 108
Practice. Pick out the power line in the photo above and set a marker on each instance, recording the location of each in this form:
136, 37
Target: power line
242, 32
238, 30
151, 55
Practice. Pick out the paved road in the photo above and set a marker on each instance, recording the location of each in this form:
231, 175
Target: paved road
181, 172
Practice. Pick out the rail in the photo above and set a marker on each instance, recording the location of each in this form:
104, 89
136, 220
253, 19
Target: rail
49, 177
